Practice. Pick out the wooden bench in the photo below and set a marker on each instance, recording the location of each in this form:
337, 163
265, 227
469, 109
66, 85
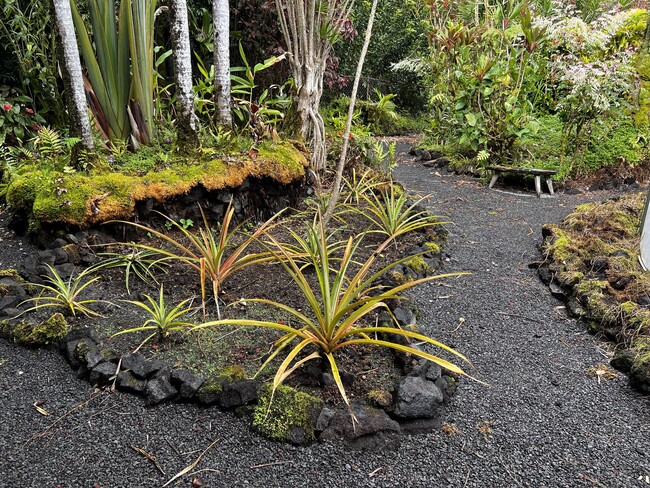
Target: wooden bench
537, 173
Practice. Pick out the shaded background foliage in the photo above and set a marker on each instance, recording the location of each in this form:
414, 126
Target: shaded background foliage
402, 33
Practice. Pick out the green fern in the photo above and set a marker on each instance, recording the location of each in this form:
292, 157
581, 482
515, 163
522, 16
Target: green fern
49, 142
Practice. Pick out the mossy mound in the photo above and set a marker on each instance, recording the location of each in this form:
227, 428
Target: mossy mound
210, 392
32, 334
592, 258
287, 415
82, 199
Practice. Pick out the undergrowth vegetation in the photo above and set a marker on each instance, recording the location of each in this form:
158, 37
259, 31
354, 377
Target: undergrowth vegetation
539, 85
331, 288
592, 259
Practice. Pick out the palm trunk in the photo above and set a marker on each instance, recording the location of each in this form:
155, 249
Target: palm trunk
182, 56
71, 72
221, 21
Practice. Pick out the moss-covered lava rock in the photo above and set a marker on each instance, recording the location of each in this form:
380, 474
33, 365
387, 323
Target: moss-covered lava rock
33, 334
83, 199
210, 391
592, 259
287, 415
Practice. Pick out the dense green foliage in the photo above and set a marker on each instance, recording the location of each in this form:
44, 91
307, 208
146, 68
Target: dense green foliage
401, 35
538, 84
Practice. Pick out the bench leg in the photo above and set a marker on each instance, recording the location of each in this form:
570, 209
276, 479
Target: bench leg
538, 185
549, 183
494, 179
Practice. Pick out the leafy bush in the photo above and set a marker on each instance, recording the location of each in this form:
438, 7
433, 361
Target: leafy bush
486, 79
610, 144
26, 28
18, 119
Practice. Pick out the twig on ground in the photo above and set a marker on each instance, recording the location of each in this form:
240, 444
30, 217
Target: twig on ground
191, 466
117, 371
276, 463
74, 409
592, 480
180, 456
150, 456
507, 470
461, 321
375, 472
467, 477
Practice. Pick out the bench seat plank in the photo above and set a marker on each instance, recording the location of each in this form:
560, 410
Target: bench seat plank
530, 171
537, 173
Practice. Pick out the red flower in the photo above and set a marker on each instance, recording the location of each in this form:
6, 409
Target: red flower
7, 107
29, 111
36, 127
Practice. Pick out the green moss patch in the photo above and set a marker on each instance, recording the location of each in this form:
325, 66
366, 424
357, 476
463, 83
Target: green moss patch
287, 415
593, 257
84, 199
28, 333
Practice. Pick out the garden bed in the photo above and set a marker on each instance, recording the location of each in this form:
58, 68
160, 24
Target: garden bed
591, 262
390, 393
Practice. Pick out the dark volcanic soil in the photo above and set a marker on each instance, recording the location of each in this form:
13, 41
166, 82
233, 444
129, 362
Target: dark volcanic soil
545, 420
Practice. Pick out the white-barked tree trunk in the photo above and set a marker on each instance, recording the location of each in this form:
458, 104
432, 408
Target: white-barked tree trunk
71, 72
182, 57
221, 22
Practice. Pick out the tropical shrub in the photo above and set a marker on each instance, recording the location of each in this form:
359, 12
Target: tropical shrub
26, 31
486, 81
507, 78
18, 120
258, 111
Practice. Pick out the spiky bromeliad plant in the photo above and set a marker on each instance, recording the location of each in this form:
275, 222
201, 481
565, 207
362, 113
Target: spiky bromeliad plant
392, 215
142, 262
210, 252
62, 294
163, 318
344, 296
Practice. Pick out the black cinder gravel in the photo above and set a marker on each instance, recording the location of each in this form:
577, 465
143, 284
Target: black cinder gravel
543, 422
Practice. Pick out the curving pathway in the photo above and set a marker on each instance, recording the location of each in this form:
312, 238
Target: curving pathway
545, 422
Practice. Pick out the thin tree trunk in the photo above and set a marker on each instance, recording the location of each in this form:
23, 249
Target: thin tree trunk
71, 72
221, 21
336, 191
182, 56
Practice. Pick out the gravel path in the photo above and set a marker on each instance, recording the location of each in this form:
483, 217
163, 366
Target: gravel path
544, 421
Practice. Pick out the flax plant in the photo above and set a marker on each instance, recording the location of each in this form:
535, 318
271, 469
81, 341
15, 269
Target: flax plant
344, 297
210, 252
107, 64
120, 65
